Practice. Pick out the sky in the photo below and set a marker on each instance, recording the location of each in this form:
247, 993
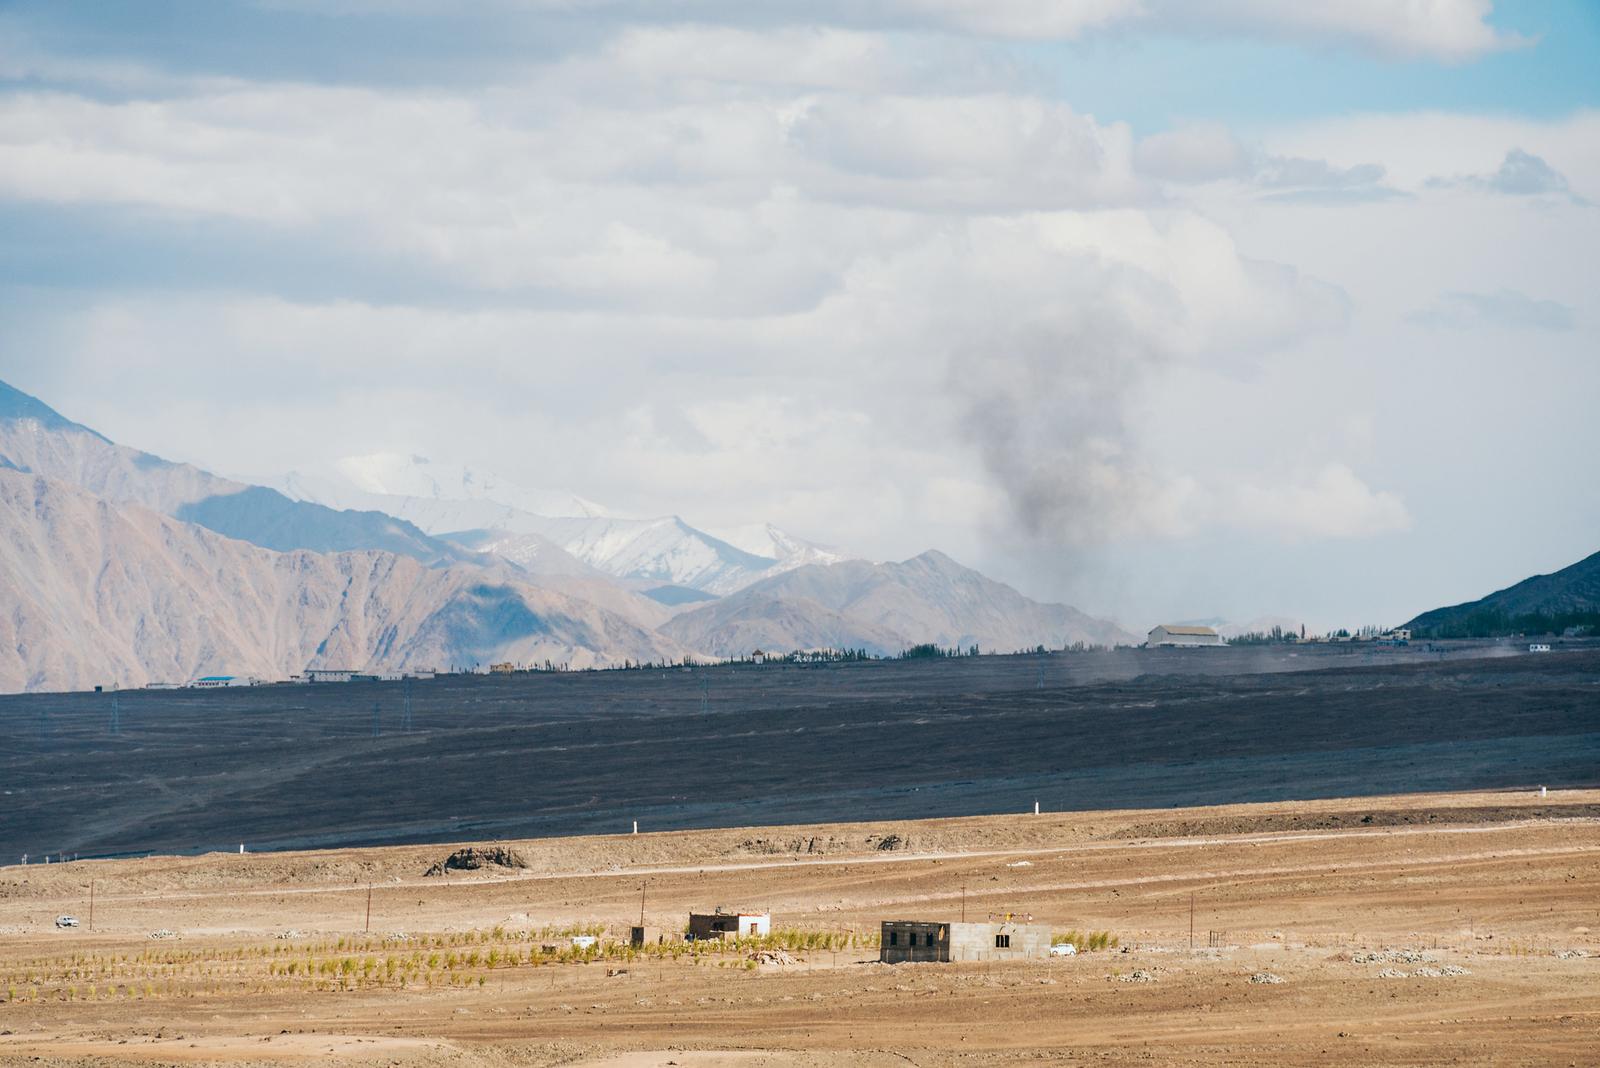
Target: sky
1169, 309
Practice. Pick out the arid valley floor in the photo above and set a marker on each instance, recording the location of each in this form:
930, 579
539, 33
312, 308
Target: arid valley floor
1440, 929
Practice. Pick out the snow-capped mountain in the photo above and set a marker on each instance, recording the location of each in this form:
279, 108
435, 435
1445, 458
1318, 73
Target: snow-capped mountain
356, 480
444, 499
118, 566
764, 539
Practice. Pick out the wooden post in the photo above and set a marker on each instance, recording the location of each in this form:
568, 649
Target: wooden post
1191, 921
368, 927
91, 904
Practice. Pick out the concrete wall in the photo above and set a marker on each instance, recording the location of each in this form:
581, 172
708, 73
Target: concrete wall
912, 941
976, 941
905, 941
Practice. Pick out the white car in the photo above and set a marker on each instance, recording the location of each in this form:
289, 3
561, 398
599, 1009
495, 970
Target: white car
1065, 949
66, 921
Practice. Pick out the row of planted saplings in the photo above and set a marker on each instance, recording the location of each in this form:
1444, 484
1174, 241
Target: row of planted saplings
451, 959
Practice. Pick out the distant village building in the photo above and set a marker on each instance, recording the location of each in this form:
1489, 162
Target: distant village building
1539, 647
720, 924
329, 674
1172, 636
909, 941
377, 676
502, 669
214, 682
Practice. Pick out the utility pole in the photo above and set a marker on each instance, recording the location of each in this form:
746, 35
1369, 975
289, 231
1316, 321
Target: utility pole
368, 927
641, 905
116, 717
91, 904
1191, 921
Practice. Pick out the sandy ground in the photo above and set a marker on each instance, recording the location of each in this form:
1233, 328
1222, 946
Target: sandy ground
1418, 930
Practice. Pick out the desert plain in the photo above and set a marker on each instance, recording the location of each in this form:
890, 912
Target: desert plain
1424, 929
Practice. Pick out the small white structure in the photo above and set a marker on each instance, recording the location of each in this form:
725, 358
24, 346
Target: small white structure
1539, 647
1173, 636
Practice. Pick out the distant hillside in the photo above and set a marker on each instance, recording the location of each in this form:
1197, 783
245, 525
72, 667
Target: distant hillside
97, 592
1539, 605
36, 439
885, 608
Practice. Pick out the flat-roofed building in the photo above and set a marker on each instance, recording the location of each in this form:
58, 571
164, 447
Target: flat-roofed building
912, 941
723, 924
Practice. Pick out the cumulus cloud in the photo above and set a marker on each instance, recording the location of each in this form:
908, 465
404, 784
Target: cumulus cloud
1520, 174
1505, 308
1333, 503
1209, 152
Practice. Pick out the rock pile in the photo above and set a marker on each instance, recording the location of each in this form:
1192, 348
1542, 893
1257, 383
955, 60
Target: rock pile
1265, 977
472, 858
773, 956
1392, 956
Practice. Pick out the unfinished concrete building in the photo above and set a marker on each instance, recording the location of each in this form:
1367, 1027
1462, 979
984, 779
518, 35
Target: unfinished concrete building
721, 924
909, 941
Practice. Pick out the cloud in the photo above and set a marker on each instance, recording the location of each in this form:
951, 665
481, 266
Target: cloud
1519, 174
1201, 152
1334, 503
1209, 152
1449, 31
1077, 328
1506, 308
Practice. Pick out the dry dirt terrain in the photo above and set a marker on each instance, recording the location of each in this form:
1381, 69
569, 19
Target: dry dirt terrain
1415, 930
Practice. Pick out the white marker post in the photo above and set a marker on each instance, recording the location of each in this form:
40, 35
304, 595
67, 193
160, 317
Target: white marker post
635, 826
1036, 808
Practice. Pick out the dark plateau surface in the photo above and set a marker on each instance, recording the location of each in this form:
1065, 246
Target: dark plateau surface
288, 767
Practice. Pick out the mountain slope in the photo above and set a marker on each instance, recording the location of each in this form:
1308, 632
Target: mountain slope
1565, 598
101, 593
884, 608
35, 438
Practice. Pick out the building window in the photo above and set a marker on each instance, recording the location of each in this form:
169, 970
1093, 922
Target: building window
930, 940
1002, 941
894, 938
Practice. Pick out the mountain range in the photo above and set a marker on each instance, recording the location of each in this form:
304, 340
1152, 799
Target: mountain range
1538, 605
122, 568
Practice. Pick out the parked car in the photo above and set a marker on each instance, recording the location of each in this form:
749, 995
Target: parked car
66, 921
1065, 949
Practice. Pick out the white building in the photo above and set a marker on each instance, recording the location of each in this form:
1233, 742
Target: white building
329, 674
720, 924
214, 682
1172, 636
1539, 647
